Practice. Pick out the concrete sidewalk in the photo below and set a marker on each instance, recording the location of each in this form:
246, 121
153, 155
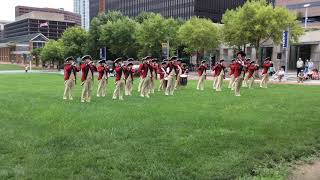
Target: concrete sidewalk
291, 78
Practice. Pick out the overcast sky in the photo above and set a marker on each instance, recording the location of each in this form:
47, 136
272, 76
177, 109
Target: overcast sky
7, 10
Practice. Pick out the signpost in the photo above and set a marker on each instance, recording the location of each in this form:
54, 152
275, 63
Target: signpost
165, 49
286, 46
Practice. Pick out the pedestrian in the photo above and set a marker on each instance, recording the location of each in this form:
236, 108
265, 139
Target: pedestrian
120, 79
300, 65
88, 68
238, 72
70, 76
103, 75
220, 74
301, 77
172, 71
129, 77
265, 73
231, 73
202, 72
280, 74
26, 68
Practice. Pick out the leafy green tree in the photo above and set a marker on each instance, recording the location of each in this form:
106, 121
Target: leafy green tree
119, 37
53, 51
199, 35
36, 53
144, 16
94, 43
156, 30
257, 22
74, 40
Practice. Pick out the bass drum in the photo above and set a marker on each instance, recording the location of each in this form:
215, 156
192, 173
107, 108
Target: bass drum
183, 80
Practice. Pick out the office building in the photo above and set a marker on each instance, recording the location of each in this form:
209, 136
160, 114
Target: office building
82, 7
51, 25
212, 9
2, 23
68, 16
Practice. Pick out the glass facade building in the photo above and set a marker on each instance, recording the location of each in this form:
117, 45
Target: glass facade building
212, 9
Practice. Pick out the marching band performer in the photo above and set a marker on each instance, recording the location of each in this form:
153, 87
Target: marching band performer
252, 68
180, 72
120, 79
103, 74
129, 77
172, 71
246, 73
88, 68
146, 73
162, 74
154, 74
265, 73
202, 72
139, 71
231, 73
238, 72
70, 76
219, 73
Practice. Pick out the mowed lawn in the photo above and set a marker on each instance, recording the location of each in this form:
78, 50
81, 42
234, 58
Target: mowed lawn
193, 135
15, 67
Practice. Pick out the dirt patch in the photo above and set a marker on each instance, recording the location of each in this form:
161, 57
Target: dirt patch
307, 172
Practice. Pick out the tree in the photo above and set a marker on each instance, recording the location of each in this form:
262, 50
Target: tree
118, 36
36, 53
199, 35
257, 22
53, 51
74, 40
94, 44
144, 16
153, 31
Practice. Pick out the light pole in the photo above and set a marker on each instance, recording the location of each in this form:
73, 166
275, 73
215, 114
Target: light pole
306, 15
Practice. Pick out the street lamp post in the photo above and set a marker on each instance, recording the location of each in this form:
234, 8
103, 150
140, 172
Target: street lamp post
306, 15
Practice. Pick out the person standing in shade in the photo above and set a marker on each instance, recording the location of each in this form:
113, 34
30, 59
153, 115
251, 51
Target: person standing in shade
231, 68
146, 72
70, 76
88, 68
129, 77
300, 65
172, 71
120, 79
162, 74
219, 72
202, 72
239, 72
252, 68
103, 75
265, 73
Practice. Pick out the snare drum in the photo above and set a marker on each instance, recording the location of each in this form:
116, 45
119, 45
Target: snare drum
183, 80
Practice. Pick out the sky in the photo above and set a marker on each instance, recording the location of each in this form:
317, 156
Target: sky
7, 10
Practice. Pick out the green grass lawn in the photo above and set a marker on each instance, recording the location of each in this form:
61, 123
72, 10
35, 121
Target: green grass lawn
15, 67
193, 135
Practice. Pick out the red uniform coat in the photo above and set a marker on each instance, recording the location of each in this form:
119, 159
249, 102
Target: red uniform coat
161, 72
102, 71
128, 72
202, 69
237, 69
172, 67
85, 70
119, 70
231, 66
266, 67
251, 70
217, 69
143, 69
68, 69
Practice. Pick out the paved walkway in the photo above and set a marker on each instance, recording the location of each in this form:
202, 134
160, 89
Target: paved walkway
32, 72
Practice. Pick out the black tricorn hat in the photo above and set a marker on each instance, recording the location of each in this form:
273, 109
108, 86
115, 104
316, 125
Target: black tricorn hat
248, 59
252, 62
268, 59
69, 59
233, 60
146, 58
102, 61
221, 60
86, 57
130, 59
173, 58
164, 62
179, 60
243, 54
130, 63
203, 61
154, 60
118, 60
